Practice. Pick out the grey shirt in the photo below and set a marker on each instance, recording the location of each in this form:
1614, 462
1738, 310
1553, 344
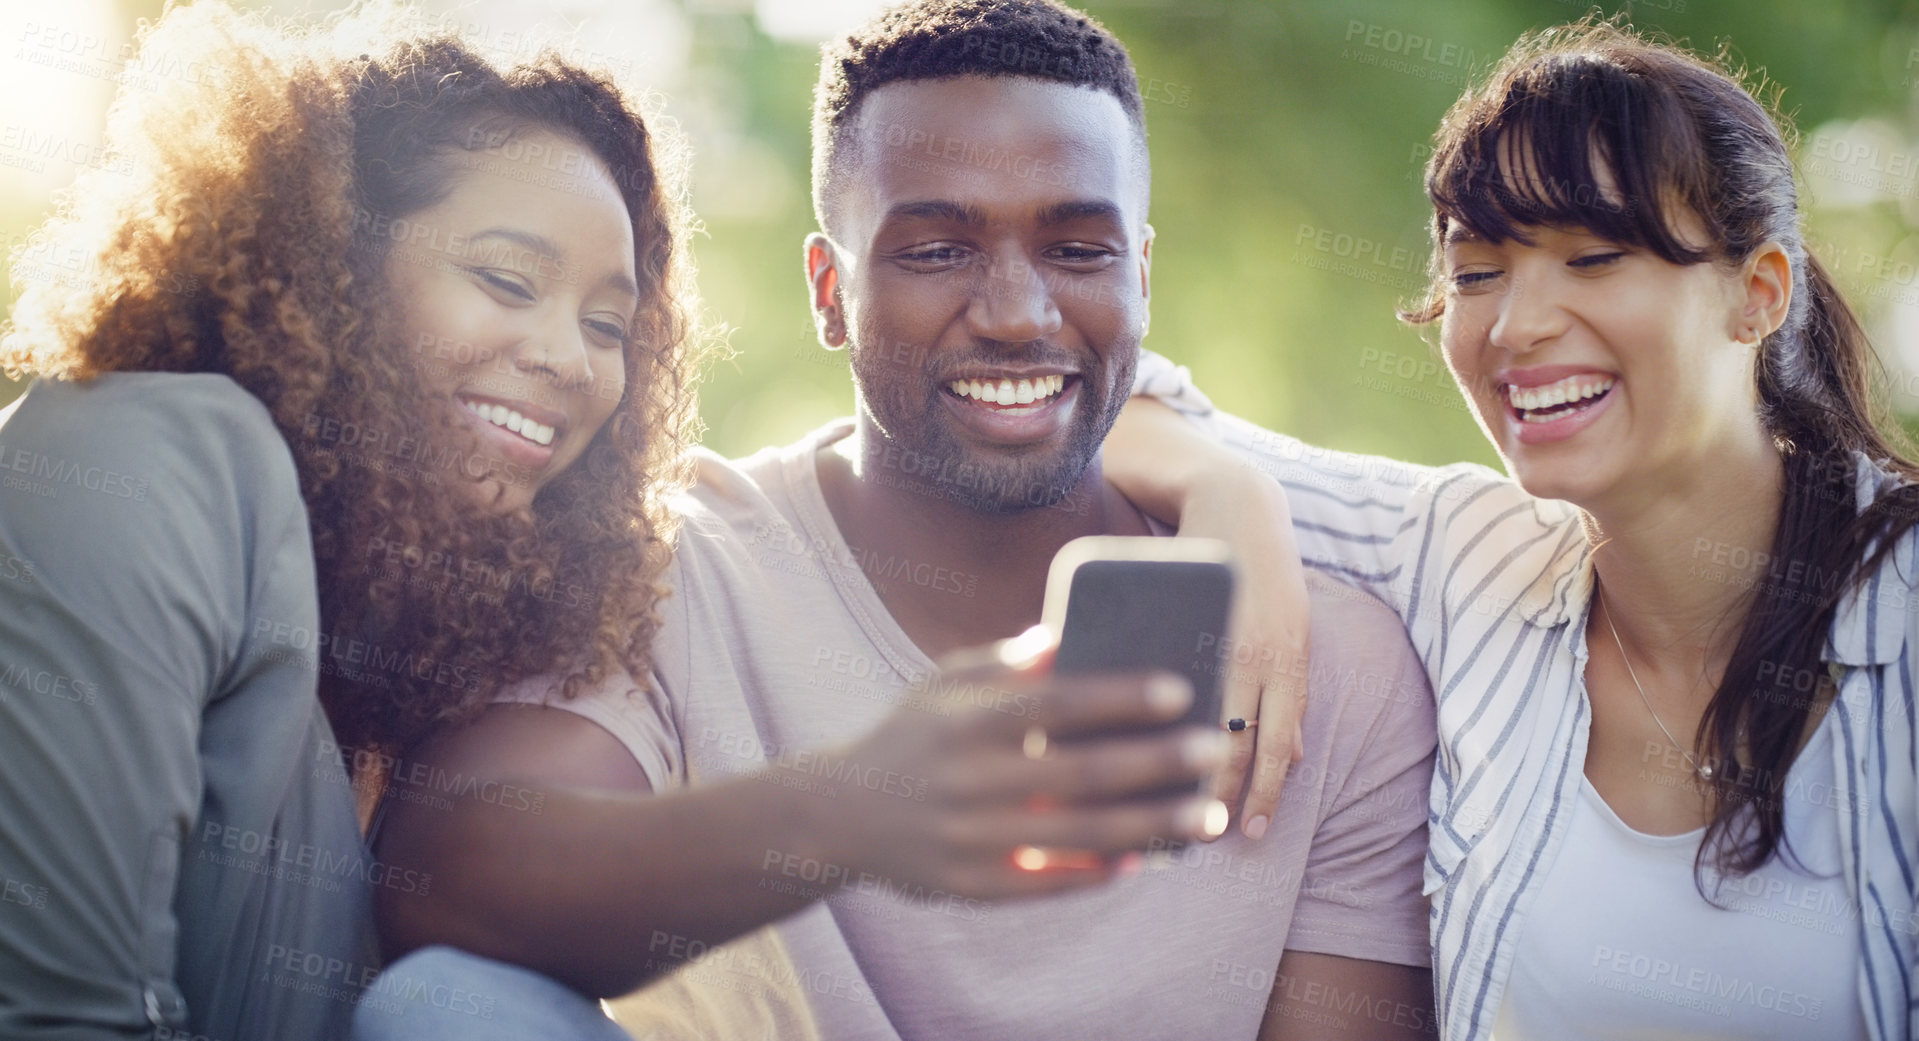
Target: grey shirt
178, 851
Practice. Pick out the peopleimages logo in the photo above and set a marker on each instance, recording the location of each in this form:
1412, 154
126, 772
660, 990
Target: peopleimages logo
330, 976
818, 763
50, 474
415, 781
359, 659
1671, 982
303, 862
13, 891
48, 684
839, 879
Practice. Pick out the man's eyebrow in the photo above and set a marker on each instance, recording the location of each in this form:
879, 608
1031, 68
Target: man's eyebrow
1080, 209
939, 209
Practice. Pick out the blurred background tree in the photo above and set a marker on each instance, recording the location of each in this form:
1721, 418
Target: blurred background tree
1287, 142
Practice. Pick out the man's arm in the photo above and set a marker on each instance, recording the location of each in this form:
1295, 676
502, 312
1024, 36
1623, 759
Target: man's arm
607, 885
562, 878
1324, 997
1358, 961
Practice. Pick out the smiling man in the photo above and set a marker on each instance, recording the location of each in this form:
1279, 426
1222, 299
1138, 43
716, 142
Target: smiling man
958, 233
985, 261
981, 180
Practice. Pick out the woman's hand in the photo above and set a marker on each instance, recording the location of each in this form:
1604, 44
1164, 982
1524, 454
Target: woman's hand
1266, 655
1169, 469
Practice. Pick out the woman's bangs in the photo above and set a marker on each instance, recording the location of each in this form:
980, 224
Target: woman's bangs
1567, 144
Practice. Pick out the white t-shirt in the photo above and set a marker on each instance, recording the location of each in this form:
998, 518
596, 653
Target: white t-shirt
775, 644
1620, 945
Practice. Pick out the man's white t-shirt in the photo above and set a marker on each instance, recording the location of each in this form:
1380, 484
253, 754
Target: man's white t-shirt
775, 645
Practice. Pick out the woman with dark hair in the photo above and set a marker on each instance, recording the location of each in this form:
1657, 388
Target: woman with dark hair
1676, 649
441, 306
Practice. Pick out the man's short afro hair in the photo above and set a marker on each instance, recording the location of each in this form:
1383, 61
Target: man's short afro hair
935, 39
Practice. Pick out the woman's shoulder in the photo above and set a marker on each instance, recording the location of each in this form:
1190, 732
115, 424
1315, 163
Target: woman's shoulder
1470, 499
1874, 480
174, 428
162, 467
112, 401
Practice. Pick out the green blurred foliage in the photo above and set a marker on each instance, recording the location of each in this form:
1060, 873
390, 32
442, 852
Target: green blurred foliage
1287, 142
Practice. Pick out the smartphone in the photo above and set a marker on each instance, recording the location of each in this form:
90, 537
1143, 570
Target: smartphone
1126, 604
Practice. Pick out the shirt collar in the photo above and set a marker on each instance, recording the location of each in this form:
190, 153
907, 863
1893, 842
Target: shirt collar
1565, 583
1873, 619
1869, 628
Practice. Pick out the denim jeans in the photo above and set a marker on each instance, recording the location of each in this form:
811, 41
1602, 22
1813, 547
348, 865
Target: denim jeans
444, 994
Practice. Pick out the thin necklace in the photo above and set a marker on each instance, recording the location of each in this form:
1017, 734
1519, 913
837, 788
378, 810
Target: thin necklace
1704, 770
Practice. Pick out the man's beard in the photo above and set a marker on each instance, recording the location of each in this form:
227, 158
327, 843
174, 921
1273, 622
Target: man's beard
922, 453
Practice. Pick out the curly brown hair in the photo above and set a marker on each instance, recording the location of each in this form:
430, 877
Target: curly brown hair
244, 233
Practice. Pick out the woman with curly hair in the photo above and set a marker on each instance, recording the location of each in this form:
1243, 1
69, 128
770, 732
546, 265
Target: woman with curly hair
441, 305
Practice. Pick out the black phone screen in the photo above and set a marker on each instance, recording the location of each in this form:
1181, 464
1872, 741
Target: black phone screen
1127, 615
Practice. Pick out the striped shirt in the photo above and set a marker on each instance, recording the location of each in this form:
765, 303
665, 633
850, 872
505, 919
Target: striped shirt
1494, 587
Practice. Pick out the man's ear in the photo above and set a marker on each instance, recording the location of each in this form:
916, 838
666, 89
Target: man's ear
1768, 288
1146, 281
823, 285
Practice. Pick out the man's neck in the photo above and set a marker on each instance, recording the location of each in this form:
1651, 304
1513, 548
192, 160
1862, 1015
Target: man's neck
951, 575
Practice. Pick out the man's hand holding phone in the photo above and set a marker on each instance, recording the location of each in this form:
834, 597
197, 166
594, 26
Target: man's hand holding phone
1054, 760
1031, 782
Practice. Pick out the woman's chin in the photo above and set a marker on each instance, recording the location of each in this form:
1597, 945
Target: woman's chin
1551, 482
494, 497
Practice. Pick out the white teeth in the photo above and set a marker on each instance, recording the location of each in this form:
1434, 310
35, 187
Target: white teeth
1559, 392
1007, 391
501, 416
